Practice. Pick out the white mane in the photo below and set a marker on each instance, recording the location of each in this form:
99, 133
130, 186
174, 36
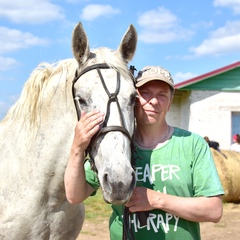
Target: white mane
28, 105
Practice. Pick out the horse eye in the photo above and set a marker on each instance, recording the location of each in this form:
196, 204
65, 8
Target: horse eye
133, 98
82, 101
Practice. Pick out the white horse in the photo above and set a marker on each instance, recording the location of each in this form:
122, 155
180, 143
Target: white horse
36, 136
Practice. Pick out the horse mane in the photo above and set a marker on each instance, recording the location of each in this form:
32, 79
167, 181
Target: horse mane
28, 105
29, 102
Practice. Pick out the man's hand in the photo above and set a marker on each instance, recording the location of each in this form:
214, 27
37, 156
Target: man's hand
86, 128
141, 199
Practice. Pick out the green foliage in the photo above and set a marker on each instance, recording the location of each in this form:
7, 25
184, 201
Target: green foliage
96, 207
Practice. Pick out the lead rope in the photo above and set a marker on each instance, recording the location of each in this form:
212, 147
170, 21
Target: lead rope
127, 229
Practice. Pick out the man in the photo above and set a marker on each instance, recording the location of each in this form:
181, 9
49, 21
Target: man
177, 182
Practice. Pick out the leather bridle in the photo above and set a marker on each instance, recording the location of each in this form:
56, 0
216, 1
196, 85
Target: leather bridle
112, 97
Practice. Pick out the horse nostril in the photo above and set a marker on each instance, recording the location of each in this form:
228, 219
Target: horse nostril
105, 178
106, 182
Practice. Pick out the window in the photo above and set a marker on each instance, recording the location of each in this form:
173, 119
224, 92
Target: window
235, 123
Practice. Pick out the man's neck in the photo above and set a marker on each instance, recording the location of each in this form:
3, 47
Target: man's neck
150, 137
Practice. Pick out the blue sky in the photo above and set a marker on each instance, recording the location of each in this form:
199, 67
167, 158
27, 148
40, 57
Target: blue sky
189, 38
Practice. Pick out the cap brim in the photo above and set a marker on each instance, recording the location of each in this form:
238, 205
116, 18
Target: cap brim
141, 83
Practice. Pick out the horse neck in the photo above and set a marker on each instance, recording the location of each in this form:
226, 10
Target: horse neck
45, 144
57, 120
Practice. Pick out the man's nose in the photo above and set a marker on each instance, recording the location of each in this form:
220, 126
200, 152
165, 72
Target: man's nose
153, 100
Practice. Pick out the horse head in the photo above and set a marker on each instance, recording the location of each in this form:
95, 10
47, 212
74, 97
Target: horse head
104, 82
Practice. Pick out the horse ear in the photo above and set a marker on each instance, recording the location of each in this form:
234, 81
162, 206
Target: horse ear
128, 44
80, 46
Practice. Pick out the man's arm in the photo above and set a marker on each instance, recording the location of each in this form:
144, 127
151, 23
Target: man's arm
76, 187
196, 209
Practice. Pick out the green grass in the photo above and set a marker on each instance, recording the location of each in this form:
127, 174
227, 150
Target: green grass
96, 207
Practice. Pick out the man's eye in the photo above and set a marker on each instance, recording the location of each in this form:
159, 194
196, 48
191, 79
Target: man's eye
143, 93
162, 95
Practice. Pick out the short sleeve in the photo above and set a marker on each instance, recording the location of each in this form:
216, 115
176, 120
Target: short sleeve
205, 176
91, 177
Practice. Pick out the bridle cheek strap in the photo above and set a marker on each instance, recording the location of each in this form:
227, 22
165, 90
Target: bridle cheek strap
112, 97
76, 78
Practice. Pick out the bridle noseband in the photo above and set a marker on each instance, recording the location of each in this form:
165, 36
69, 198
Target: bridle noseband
112, 97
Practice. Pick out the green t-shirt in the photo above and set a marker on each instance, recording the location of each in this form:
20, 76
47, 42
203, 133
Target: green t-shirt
182, 167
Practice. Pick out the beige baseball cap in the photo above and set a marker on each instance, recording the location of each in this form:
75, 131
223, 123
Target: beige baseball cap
150, 73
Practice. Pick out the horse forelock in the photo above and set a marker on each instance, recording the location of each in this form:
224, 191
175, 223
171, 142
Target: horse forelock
111, 58
28, 105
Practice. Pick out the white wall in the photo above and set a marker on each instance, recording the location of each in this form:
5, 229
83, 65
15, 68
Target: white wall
211, 115
207, 113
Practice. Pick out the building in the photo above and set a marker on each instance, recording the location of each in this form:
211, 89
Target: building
209, 105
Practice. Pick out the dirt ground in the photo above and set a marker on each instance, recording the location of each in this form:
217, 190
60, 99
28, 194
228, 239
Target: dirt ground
227, 228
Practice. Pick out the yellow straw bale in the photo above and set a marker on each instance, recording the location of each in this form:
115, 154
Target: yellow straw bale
229, 172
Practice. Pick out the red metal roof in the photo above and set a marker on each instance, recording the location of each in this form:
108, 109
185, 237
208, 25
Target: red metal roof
207, 75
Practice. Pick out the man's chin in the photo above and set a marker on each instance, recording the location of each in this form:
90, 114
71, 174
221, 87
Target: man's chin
151, 121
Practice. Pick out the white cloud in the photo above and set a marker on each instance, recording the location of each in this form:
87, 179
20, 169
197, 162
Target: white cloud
160, 26
179, 76
157, 19
231, 28
233, 4
93, 11
76, 1
222, 41
162, 36
13, 39
202, 24
7, 63
30, 12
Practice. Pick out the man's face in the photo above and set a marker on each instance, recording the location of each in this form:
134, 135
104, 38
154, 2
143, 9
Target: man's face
154, 102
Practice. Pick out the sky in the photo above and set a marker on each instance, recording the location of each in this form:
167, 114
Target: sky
189, 38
